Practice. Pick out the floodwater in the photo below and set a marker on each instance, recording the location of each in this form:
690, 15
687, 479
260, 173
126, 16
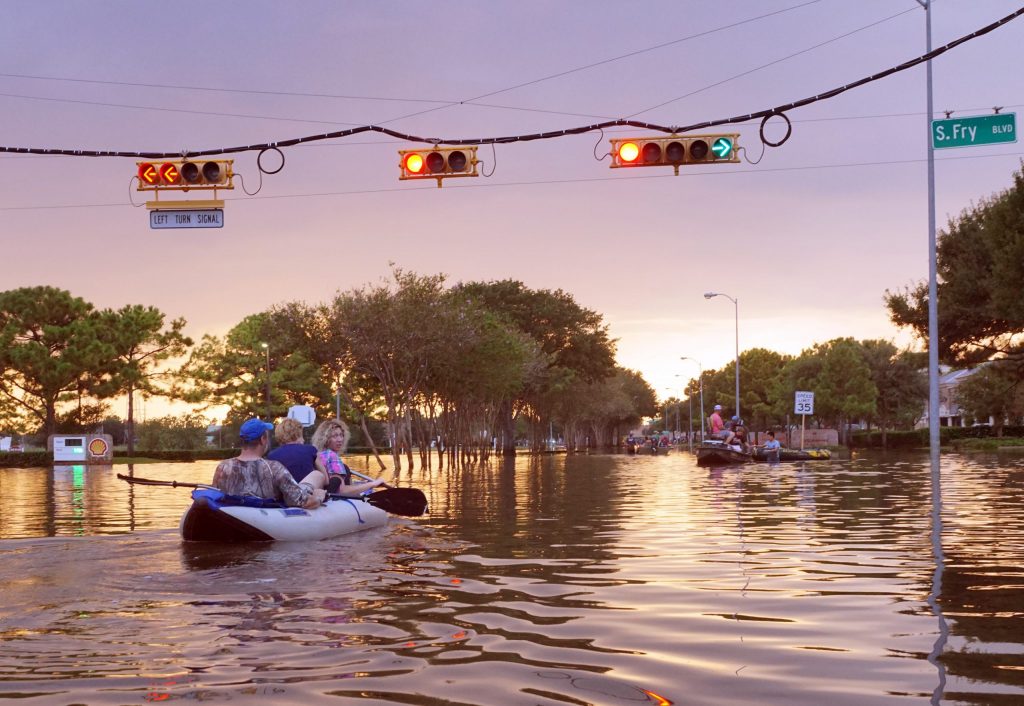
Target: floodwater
597, 579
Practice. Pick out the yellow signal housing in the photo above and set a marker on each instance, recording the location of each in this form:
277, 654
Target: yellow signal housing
438, 163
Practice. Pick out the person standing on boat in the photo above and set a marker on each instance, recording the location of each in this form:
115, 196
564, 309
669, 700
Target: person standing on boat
330, 440
252, 475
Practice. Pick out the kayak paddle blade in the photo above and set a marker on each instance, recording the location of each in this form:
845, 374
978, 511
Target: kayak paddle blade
408, 502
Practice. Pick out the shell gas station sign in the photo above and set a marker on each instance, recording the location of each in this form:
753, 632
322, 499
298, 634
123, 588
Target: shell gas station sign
82, 448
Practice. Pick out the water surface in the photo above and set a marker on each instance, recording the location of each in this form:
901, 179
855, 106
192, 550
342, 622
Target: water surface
595, 579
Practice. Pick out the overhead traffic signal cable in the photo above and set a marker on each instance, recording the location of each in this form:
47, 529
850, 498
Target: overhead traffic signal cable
763, 115
541, 182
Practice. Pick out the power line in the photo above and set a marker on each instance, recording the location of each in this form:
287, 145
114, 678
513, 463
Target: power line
834, 118
773, 63
545, 182
174, 110
469, 101
445, 103
763, 114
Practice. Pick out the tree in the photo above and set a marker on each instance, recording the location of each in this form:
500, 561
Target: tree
980, 265
388, 335
51, 344
232, 371
760, 369
184, 433
140, 341
597, 411
573, 339
901, 386
846, 391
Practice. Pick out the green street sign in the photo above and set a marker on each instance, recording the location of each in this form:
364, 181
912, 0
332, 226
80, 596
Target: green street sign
722, 147
976, 130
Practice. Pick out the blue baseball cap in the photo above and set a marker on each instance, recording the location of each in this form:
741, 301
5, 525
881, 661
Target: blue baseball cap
253, 429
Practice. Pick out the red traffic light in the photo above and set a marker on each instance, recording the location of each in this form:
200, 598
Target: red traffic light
148, 173
414, 163
674, 151
169, 173
628, 152
438, 163
184, 175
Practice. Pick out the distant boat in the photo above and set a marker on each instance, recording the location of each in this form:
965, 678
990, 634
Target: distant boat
792, 455
717, 453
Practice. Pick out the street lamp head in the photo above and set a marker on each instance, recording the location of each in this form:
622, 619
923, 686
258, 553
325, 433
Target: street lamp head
264, 345
708, 295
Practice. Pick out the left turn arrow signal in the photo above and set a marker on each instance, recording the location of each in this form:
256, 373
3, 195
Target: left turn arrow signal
147, 173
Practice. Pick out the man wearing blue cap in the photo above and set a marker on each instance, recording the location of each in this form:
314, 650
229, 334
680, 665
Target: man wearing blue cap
251, 474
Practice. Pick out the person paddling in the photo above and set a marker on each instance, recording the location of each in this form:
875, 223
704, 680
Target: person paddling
331, 439
772, 447
249, 474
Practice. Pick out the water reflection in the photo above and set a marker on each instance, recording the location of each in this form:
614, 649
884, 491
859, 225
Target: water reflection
584, 579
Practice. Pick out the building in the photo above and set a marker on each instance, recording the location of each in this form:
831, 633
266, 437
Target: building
949, 408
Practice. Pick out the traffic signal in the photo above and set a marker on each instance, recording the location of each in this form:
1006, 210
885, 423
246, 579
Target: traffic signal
674, 151
184, 174
438, 163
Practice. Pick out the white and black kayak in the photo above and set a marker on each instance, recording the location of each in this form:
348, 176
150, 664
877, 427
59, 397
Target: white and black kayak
216, 517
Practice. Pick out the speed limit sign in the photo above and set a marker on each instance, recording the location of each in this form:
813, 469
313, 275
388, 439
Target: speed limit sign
804, 403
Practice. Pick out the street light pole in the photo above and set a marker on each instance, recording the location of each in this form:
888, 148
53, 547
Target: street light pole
266, 347
700, 368
736, 303
689, 429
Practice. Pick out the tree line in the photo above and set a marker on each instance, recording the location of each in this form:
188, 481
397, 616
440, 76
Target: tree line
869, 381
462, 368
449, 368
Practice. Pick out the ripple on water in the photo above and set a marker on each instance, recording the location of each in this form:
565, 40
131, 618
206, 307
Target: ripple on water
547, 581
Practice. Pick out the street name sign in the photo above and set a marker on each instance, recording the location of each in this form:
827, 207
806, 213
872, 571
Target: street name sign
197, 218
976, 130
804, 403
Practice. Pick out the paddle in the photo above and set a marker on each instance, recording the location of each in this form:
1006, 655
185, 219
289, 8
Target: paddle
172, 483
408, 502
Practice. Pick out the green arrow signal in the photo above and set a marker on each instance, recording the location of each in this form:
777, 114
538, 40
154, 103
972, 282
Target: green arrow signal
722, 147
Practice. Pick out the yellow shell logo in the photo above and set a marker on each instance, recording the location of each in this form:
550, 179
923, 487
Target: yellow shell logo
98, 447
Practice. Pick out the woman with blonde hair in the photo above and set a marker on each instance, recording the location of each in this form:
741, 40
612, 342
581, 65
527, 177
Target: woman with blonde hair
293, 453
331, 440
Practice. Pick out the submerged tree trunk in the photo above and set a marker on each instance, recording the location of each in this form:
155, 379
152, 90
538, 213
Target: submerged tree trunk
130, 425
507, 424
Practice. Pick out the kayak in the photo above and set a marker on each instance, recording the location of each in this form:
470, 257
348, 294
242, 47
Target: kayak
716, 453
217, 517
792, 455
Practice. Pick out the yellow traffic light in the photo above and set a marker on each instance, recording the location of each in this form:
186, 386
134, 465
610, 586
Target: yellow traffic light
674, 151
438, 163
184, 175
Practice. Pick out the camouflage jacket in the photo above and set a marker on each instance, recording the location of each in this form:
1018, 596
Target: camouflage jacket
260, 478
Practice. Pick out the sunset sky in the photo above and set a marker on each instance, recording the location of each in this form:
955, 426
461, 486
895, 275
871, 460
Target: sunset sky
808, 238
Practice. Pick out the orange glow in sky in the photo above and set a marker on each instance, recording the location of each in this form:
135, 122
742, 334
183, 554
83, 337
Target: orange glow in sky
807, 236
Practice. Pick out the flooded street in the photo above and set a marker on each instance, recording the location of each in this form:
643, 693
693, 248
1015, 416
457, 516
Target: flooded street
600, 579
